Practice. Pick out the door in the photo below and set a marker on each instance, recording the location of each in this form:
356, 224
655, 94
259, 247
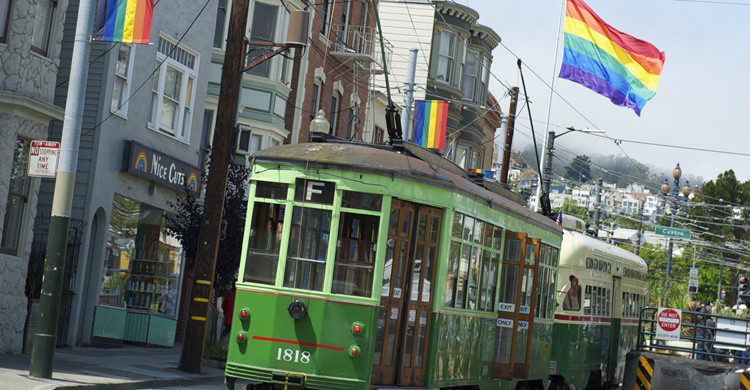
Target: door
516, 305
406, 295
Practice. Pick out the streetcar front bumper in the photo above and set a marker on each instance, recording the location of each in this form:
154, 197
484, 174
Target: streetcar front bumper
242, 371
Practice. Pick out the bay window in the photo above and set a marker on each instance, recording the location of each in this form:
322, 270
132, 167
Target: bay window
446, 56
45, 11
262, 29
470, 76
123, 75
18, 197
173, 90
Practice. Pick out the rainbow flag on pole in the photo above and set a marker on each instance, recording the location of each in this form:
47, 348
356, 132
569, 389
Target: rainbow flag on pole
126, 21
430, 123
607, 61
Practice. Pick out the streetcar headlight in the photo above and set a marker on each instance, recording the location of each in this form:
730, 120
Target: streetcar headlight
358, 328
297, 310
354, 351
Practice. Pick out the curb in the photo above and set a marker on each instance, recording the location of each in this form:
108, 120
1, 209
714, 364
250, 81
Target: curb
151, 383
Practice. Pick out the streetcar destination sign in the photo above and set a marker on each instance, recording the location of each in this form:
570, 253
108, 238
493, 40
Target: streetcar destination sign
672, 232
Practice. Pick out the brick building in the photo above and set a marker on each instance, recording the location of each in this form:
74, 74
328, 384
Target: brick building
343, 54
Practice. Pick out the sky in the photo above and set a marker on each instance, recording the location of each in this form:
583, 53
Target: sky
702, 98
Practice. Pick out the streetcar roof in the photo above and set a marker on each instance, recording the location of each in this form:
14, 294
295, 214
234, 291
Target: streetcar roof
380, 160
576, 247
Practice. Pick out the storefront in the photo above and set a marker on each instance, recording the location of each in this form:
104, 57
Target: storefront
143, 262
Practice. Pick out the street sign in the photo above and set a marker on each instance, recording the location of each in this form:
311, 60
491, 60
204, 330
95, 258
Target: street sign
693, 273
43, 156
668, 323
672, 232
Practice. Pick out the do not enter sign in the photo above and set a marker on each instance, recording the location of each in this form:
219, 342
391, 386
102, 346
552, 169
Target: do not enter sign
668, 322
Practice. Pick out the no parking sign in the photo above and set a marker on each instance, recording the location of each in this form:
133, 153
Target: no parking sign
668, 323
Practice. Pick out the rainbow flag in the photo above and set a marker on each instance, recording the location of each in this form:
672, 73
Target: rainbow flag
430, 123
126, 21
607, 61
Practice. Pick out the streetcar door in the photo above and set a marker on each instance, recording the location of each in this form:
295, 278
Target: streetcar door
406, 294
516, 307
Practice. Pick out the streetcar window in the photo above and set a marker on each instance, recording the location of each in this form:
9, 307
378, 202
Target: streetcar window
385, 290
513, 249
497, 242
484, 277
463, 276
458, 223
468, 228
503, 340
473, 290
478, 232
355, 255
314, 191
551, 303
587, 301
265, 242
271, 190
492, 285
450, 285
530, 254
361, 200
527, 288
308, 246
487, 236
509, 286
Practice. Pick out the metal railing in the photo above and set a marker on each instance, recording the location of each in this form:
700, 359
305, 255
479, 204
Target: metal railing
703, 336
347, 38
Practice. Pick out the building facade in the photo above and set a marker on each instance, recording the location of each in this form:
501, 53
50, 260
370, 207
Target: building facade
453, 64
141, 146
30, 35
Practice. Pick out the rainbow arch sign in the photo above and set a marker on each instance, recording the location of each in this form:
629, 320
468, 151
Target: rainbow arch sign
160, 168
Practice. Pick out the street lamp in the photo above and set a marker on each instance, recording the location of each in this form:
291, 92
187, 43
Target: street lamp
319, 124
673, 193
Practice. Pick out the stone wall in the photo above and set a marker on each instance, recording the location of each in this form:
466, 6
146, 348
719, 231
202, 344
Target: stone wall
23, 71
13, 268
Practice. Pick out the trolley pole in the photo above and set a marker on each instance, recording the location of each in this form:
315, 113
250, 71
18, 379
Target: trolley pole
411, 70
208, 238
509, 129
43, 351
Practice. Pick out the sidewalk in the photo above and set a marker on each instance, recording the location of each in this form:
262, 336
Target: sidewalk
121, 368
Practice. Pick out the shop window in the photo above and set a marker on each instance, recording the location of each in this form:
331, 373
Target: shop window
221, 23
355, 255
43, 19
143, 263
308, 247
18, 197
173, 90
265, 242
123, 74
263, 29
5, 7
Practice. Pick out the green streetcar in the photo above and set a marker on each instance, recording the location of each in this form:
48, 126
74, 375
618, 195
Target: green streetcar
367, 266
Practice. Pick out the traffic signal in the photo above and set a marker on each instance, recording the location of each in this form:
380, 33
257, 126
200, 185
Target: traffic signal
743, 294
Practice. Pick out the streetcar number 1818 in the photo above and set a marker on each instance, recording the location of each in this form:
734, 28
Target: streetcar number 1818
293, 355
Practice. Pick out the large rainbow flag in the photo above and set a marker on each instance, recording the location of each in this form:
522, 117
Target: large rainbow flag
607, 61
430, 123
126, 21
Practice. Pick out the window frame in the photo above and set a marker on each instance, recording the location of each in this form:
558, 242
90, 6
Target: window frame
49, 23
224, 25
164, 62
6, 17
476, 55
266, 69
335, 112
449, 57
316, 96
122, 111
25, 197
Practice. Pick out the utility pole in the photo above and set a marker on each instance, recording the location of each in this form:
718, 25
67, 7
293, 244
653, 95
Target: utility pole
597, 205
548, 155
208, 239
411, 70
640, 228
43, 351
509, 129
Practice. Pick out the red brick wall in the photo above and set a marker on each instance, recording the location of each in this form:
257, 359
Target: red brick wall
335, 70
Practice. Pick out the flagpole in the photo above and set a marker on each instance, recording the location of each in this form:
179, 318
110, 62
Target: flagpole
549, 103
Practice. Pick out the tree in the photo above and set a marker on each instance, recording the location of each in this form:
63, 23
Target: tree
184, 223
571, 207
579, 169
